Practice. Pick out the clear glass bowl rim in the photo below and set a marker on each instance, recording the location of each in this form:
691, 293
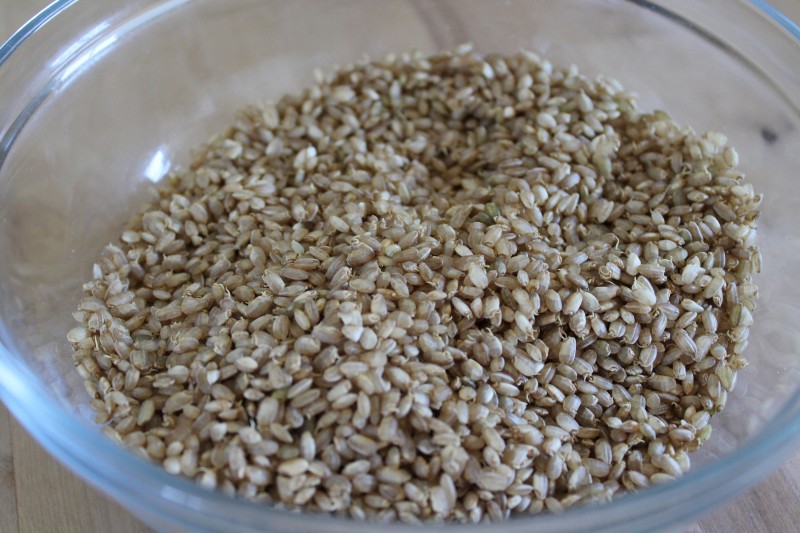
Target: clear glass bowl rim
74, 443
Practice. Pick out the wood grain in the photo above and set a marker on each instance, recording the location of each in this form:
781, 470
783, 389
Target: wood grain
37, 494
771, 506
8, 499
54, 499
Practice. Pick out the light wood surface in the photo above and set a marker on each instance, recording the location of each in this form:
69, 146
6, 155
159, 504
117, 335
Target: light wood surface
37, 494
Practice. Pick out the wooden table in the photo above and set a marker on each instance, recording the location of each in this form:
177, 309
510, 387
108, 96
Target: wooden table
39, 495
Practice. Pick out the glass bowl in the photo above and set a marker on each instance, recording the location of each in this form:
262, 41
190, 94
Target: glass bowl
100, 99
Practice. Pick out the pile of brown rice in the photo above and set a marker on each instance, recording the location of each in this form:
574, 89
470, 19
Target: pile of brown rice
453, 287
